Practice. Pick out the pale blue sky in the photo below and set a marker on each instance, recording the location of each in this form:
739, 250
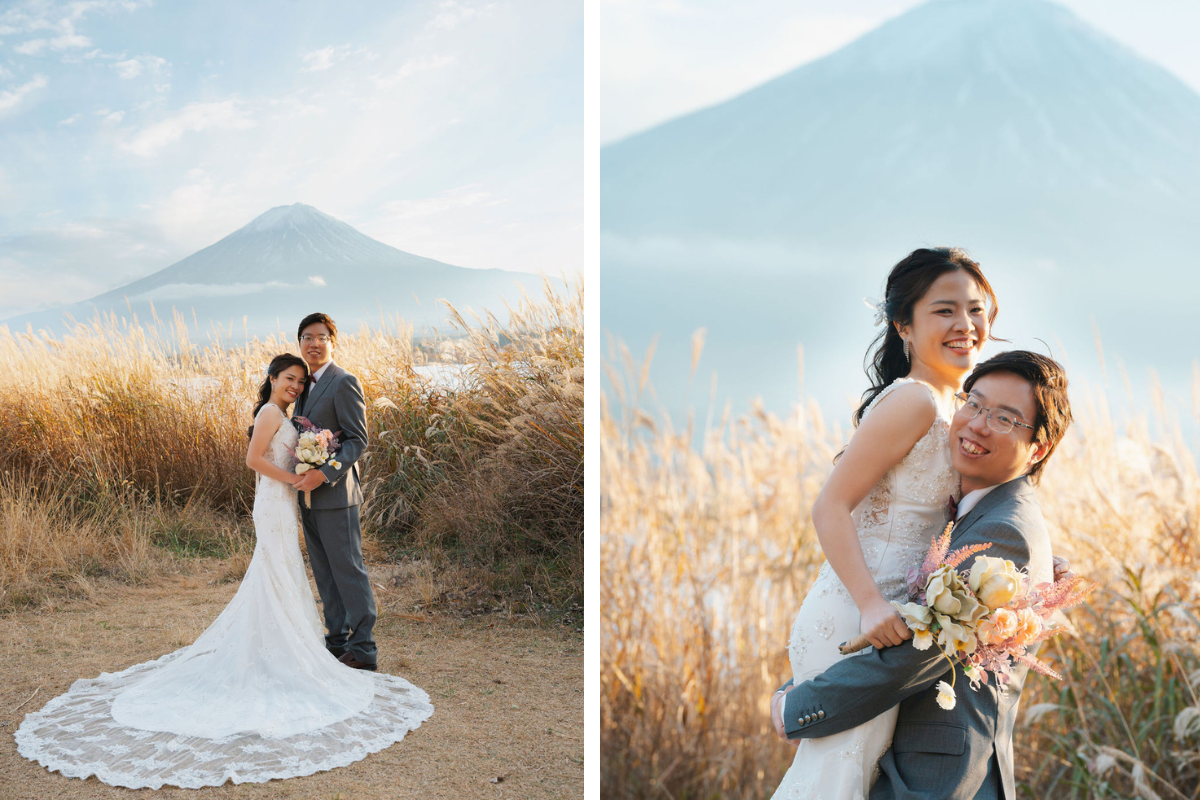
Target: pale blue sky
663, 58
133, 133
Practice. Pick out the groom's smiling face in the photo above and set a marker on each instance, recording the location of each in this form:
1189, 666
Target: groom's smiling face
313, 350
981, 455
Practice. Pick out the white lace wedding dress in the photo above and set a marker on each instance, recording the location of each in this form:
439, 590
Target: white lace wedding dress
895, 524
257, 696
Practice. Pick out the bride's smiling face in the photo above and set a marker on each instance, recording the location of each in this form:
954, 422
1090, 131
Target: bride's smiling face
949, 327
287, 386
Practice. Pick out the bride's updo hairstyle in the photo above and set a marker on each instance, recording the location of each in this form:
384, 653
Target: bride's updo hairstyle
278, 364
907, 283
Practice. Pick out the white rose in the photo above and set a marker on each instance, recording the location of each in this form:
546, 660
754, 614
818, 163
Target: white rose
302, 468
947, 594
916, 616
954, 637
995, 581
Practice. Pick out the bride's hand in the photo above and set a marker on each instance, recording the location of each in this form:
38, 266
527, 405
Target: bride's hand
1062, 569
883, 626
295, 481
777, 701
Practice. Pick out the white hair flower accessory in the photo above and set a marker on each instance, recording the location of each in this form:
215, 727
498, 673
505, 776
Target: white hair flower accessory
879, 308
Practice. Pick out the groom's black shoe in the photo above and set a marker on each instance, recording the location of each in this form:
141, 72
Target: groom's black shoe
337, 652
349, 660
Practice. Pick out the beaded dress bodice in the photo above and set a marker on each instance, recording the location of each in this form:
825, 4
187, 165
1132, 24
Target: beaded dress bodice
908, 506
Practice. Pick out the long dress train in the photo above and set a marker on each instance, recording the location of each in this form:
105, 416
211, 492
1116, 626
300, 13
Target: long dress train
257, 696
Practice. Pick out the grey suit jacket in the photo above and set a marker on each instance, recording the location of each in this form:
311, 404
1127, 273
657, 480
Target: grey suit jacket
961, 754
336, 402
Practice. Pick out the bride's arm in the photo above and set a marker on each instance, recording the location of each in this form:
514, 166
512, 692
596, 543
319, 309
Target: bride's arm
883, 438
256, 454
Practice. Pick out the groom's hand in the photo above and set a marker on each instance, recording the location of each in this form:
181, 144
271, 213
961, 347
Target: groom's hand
1062, 569
777, 716
310, 480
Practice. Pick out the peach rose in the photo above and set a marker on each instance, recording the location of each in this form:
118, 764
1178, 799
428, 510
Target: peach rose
1029, 625
999, 627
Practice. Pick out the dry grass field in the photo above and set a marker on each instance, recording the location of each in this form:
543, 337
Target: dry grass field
125, 440
709, 551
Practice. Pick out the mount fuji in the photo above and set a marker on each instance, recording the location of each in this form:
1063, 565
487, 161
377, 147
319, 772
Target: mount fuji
288, 262
1002, 121
1068, 165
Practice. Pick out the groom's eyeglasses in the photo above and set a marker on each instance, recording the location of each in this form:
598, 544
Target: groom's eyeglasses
308, 337
997, 420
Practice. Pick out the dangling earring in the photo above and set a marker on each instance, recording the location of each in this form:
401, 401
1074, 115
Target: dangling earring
907, 354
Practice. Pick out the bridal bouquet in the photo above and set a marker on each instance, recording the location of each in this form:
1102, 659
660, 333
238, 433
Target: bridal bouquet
984, 621
315, 448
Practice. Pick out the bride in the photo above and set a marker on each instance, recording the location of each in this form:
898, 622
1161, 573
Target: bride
886, 498
257, 696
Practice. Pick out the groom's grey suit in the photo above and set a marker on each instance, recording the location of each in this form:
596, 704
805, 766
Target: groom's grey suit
331, 526
961, 754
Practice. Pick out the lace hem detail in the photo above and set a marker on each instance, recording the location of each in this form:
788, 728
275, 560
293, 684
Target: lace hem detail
76, 735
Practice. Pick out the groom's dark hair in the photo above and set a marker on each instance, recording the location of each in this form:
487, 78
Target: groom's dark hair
318, 317
1049, 382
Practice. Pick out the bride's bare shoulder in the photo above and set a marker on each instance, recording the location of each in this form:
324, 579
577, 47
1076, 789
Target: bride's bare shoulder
908, 406
270, 410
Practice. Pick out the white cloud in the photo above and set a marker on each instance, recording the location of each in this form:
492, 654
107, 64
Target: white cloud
326, 57
71, 120
115, 116
452, 13
316, 280
224, 114
68, 41
131, 68
413, 67
319, 60
11, 99
31, 48
449, 200
128, 69
54, 24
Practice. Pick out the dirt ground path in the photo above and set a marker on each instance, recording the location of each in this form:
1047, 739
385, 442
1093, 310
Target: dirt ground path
507, 695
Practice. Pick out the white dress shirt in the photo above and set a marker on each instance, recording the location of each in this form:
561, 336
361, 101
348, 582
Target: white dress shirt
316, 376
970, 500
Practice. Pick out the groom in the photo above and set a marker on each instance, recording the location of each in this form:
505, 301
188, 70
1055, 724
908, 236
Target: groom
1017, 412
334, 401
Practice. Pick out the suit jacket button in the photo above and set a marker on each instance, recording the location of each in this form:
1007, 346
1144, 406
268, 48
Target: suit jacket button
807, 718
820, 715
